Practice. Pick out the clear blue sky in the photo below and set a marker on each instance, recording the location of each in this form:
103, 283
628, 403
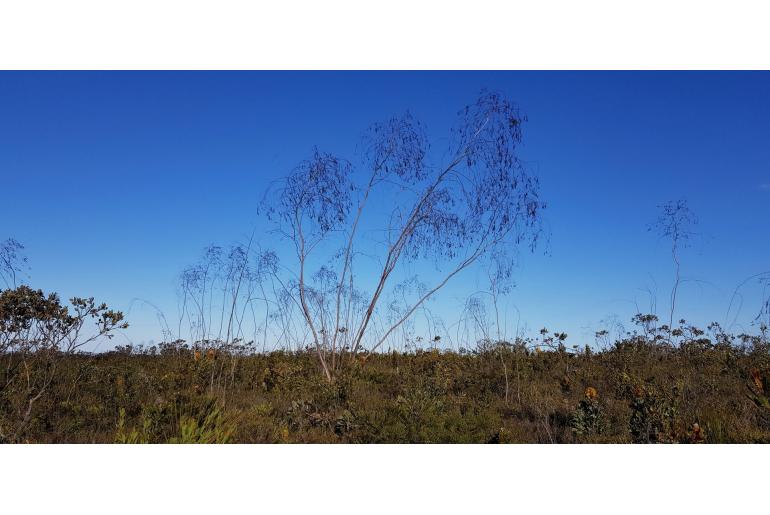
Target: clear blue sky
116, 181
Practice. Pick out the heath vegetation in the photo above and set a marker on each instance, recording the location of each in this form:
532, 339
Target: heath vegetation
317, 339
704, 387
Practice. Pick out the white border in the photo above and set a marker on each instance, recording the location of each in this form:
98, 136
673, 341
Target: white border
333, 34
397, 34
340, 479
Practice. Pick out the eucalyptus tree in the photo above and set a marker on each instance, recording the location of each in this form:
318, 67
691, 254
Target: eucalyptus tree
13, 262
675, 222
222, 293
477, 201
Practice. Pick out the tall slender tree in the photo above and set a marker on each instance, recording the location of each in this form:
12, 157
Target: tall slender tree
480, 199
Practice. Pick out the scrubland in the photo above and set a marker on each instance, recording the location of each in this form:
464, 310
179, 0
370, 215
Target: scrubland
691, 387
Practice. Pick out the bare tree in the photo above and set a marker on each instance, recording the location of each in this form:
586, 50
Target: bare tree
675, 223
228, 300
480, 199
314, 202
12, 262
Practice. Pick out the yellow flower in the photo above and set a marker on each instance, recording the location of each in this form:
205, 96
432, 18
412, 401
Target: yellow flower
591, 393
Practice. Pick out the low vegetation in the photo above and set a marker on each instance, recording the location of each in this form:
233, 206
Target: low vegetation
344, 293
651, 386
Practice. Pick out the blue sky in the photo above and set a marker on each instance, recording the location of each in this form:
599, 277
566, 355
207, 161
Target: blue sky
116, 181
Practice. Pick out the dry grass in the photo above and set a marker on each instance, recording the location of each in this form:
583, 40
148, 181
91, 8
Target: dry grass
638, 391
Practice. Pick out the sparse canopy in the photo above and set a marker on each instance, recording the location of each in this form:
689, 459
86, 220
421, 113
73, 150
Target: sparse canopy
12, 262
479, 200
675, 223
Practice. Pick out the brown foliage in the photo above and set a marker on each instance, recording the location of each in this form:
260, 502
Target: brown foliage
649, 393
